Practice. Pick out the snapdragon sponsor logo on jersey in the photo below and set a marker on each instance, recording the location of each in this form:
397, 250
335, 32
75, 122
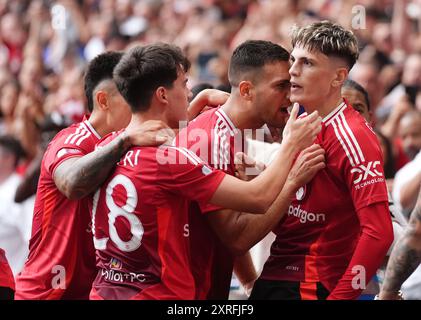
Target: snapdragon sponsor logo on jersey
114, 275
305, 216
121, 277
367, 174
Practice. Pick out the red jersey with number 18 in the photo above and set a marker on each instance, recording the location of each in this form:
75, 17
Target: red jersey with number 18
141, 226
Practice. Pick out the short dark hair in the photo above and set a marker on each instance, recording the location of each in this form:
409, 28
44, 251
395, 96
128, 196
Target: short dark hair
356, 86
251, 56
99, 69
329, 38
12, 146
144, 69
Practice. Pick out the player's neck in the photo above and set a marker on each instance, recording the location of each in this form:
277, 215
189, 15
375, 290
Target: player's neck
239, 114
326, 107
151, 114
99, 124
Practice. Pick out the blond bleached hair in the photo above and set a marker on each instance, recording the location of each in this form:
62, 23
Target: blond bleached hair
328, 38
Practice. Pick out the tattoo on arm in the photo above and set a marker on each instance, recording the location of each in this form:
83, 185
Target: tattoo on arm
89, 171
406, 256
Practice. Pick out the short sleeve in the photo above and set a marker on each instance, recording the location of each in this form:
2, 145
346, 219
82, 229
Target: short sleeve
57, 153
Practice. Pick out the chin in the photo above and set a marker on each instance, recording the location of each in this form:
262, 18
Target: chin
295, 98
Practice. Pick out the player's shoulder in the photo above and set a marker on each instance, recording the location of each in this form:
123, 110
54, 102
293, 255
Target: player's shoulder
78, 135
109, 137
213, 119
350, 133
176, 155
204, 117
348, 124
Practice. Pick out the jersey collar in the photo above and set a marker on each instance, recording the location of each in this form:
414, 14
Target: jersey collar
334, 112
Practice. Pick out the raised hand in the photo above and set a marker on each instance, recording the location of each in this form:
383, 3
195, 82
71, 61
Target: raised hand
301, 132
308, 163
246, 168
206, 99
149, 133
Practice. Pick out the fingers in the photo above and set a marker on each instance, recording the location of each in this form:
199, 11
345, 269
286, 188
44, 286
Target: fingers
242, 158
312, 148
294, 111
313, 116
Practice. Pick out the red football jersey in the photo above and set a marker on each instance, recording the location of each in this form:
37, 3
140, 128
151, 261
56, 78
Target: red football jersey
6, 275
316, 239
141, 226
214, 138
61, 262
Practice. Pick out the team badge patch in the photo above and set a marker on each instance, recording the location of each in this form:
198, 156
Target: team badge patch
301, 193
116, 264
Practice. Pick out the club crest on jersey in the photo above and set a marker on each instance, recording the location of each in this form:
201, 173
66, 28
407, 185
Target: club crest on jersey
301, 193
116, 264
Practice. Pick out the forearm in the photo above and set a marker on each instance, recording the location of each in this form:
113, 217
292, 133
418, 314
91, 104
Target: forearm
376, 238
196, 105
390, 127
400, 25
89, 171
254, 228
405, 257
206, 98
268, 185
28, 186
244, 269
409, 192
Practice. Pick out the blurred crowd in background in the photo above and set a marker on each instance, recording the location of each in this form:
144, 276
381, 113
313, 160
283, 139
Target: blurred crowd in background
45, 46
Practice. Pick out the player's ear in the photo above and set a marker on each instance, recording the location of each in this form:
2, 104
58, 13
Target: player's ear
341, 75
161, 95
101, 98
245, 88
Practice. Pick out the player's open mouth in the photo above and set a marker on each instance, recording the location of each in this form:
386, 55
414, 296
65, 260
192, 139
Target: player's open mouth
284, 110
295, 86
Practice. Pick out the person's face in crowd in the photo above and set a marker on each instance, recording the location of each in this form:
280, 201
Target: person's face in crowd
357, 101
367, 76
312, 74
272, 90
178, 98
8, 99
30, 74
410, 133
382, 37
411, 75
7, 163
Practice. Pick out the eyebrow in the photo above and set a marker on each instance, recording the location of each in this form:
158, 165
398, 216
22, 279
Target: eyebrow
303, 58
281, 82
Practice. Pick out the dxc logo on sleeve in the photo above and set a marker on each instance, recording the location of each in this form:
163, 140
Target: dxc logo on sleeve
367, 174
